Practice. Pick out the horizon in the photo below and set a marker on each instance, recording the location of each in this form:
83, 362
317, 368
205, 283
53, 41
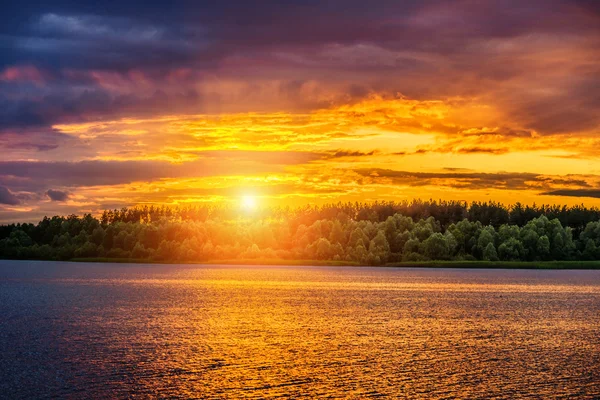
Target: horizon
128, 103
242, 209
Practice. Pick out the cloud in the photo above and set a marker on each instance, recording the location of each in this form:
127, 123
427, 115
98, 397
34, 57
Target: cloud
264, 157
73, 105
452, 179
57, 195
6, 197
351, 153
25, 73
32, 146
454, 169
565, 181
594, 193
461, 179
97, 27
104, 63
37, 175
454, 146
84, 40
92, 96
488, 150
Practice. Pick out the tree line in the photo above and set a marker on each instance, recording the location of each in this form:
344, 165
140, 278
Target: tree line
374, 234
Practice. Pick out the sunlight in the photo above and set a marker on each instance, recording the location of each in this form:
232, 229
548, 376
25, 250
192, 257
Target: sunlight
249, 202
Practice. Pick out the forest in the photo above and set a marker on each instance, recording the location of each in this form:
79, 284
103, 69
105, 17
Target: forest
364, 233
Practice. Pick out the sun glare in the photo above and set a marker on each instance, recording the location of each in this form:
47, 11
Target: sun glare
249, 203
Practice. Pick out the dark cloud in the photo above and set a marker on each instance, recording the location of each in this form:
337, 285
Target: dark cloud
594, 193
58, 195
486, 150
59, 51
352, 153
76, 39
465, 179
454, 169
6, 197
452, 179
566, 181
504, 131
32, 146
74, 106
570, 110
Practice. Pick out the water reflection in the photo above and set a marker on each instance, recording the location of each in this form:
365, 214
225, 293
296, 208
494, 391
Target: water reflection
76, 330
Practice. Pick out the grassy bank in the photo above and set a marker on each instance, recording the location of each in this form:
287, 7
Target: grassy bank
502, 264
423, 264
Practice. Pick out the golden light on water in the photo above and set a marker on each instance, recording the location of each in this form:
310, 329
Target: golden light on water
302, 332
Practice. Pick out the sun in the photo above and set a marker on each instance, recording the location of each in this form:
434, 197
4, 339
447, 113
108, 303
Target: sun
249, 202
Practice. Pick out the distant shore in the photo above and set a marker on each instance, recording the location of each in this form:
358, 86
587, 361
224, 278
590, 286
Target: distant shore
587, 265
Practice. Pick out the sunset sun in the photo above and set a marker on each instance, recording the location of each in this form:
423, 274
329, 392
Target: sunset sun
249, 202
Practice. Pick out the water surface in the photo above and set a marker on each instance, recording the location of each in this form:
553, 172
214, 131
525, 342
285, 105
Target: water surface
74, 330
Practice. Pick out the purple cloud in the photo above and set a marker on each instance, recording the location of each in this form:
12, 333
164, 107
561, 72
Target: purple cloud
57, 195
7, 197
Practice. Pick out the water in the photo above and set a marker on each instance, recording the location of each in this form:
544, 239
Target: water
113, 331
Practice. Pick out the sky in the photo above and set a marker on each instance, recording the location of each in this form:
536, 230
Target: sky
120, 103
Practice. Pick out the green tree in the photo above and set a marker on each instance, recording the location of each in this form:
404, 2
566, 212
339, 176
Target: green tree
139, 251
489, 253
356, 235
97, 236
510, 250
323, 249
379, 249
486, 237
435, 247
543, 248
337, 234
590, 251
88, 249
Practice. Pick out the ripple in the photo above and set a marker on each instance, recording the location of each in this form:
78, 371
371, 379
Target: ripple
215, 332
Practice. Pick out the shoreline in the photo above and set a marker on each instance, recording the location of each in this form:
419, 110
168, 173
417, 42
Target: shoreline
534, 265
